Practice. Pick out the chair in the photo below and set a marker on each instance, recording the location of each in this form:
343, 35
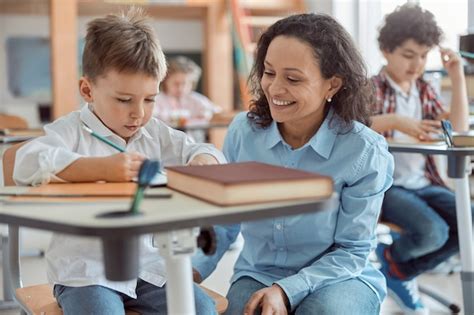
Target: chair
385, 233
39, 299
12, 122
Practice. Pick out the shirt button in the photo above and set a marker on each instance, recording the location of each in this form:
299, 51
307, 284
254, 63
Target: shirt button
278, 226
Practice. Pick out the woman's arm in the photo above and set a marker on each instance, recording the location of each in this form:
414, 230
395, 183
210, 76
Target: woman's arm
359, 209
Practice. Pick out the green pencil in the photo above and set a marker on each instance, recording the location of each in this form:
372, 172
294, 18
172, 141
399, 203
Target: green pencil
101, 138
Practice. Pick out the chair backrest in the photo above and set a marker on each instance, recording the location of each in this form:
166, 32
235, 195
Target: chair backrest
13, 122
9, 162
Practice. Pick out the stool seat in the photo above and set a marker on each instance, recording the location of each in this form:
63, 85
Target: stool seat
39, 300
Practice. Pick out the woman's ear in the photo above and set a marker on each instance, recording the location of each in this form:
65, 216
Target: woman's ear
85, 89
334, 87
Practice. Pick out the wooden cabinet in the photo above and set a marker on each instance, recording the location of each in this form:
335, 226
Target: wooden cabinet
217, 47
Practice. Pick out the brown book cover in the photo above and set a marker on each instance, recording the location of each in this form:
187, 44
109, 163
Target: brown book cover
247, 182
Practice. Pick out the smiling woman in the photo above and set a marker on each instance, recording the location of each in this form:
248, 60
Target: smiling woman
309, 112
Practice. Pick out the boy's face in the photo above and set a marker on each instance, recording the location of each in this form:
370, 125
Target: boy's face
122, 101
407, 62
178, 84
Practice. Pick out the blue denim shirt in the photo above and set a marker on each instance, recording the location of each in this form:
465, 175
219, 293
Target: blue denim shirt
304, 253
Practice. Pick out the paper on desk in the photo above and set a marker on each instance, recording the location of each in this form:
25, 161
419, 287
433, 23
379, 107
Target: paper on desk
159, 180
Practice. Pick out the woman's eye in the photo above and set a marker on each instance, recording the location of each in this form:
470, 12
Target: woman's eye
150, 100
123, 100
268, 73
292, 79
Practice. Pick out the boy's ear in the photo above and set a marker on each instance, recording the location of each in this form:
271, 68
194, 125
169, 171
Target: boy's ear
85, 88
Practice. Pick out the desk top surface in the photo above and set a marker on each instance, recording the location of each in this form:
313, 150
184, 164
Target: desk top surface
179, 211
429, 148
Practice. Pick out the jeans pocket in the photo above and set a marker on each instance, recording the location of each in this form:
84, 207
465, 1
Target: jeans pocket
58, 290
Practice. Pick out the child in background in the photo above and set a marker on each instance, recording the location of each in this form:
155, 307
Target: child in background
407, 106
123, 66
178, 104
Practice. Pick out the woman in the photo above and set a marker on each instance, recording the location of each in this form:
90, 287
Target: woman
310, 112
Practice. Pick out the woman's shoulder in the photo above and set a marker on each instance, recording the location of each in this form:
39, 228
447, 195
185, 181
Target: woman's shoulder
363, 136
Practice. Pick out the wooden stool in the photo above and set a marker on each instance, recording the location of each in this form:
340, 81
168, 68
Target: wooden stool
39, 300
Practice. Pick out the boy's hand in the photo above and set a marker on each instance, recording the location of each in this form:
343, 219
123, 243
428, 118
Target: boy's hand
122, 167
203, 159
419, 129
452, 63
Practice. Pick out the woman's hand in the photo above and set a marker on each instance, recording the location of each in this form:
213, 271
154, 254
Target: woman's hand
419, 129
271, 300
203, 159
196, 276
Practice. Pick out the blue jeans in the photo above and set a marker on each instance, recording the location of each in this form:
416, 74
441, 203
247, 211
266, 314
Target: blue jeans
100, 300
348, 297
427, 217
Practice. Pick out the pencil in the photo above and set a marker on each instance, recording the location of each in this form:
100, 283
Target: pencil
35, 195
105, 140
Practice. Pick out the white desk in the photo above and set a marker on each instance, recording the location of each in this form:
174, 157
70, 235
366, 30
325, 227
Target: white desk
458, 169
173, 219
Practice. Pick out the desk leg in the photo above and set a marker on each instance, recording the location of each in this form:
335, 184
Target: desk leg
465, 234
7, 302
177, 247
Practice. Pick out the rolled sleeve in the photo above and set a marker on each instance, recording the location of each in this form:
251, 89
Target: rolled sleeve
38, 161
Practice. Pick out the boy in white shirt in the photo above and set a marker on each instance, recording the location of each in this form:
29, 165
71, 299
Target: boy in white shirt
123, 65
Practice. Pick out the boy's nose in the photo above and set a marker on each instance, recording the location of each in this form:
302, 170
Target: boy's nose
138, 111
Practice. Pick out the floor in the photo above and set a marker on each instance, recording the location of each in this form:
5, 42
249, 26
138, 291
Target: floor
33, 272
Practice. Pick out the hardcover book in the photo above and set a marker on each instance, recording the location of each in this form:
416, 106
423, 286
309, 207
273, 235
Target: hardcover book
247, 182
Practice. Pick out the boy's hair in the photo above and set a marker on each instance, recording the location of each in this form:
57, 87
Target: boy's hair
182, 64
409, 21
126, 43
335, 54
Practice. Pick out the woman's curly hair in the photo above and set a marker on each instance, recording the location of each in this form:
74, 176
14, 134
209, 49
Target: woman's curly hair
409, 21
337, 55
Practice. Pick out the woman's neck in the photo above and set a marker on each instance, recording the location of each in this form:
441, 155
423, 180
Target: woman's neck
297, 134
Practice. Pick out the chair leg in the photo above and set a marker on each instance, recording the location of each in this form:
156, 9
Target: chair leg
455, 309
8, 302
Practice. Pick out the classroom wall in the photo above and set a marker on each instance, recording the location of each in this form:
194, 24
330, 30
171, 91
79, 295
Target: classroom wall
175, 35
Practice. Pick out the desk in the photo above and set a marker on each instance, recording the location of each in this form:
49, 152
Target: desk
174, 220
458, 169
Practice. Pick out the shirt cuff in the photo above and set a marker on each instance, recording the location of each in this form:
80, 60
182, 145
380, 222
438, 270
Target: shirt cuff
296, 289
202, 264
218, 155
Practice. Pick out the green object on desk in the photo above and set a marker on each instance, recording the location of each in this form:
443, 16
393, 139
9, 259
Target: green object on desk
148, 170
103, 139
466, 54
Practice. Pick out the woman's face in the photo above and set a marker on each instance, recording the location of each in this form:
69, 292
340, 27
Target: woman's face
292, 82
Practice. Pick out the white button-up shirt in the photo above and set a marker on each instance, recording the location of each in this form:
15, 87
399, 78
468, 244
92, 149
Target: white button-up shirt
78, 261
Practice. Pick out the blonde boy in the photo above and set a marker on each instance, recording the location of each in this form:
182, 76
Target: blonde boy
123, 66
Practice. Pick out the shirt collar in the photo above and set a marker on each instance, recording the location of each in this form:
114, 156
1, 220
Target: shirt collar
322, 142
94, 123
413, 90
